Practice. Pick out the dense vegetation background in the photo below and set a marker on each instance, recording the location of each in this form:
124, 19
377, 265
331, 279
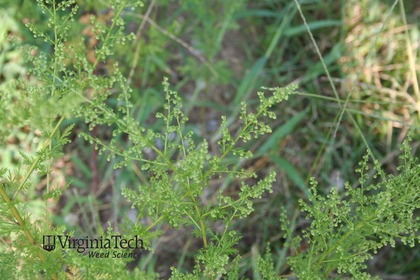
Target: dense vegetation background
217, 54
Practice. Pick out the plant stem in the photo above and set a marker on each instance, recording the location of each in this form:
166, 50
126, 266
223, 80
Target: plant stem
35, 163
22, 224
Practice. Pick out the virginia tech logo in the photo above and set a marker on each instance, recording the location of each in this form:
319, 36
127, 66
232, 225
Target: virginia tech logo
48, 242
114, 246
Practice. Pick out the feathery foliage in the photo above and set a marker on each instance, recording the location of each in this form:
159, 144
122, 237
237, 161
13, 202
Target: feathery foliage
346, 229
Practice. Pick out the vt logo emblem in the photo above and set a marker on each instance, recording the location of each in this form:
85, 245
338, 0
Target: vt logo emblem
48, 242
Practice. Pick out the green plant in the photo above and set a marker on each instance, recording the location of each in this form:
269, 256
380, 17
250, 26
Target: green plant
60, 83
348, 228
177, 166
178, 171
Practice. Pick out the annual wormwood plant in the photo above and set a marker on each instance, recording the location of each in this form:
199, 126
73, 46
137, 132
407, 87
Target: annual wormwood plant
67, 86
345, 230
180, 169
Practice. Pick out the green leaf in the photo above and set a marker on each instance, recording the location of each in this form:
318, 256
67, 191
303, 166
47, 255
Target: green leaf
317, 69
248, 82
291, 172
296, 30
281, 132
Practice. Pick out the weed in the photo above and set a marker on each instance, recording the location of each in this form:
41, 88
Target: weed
79, 84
